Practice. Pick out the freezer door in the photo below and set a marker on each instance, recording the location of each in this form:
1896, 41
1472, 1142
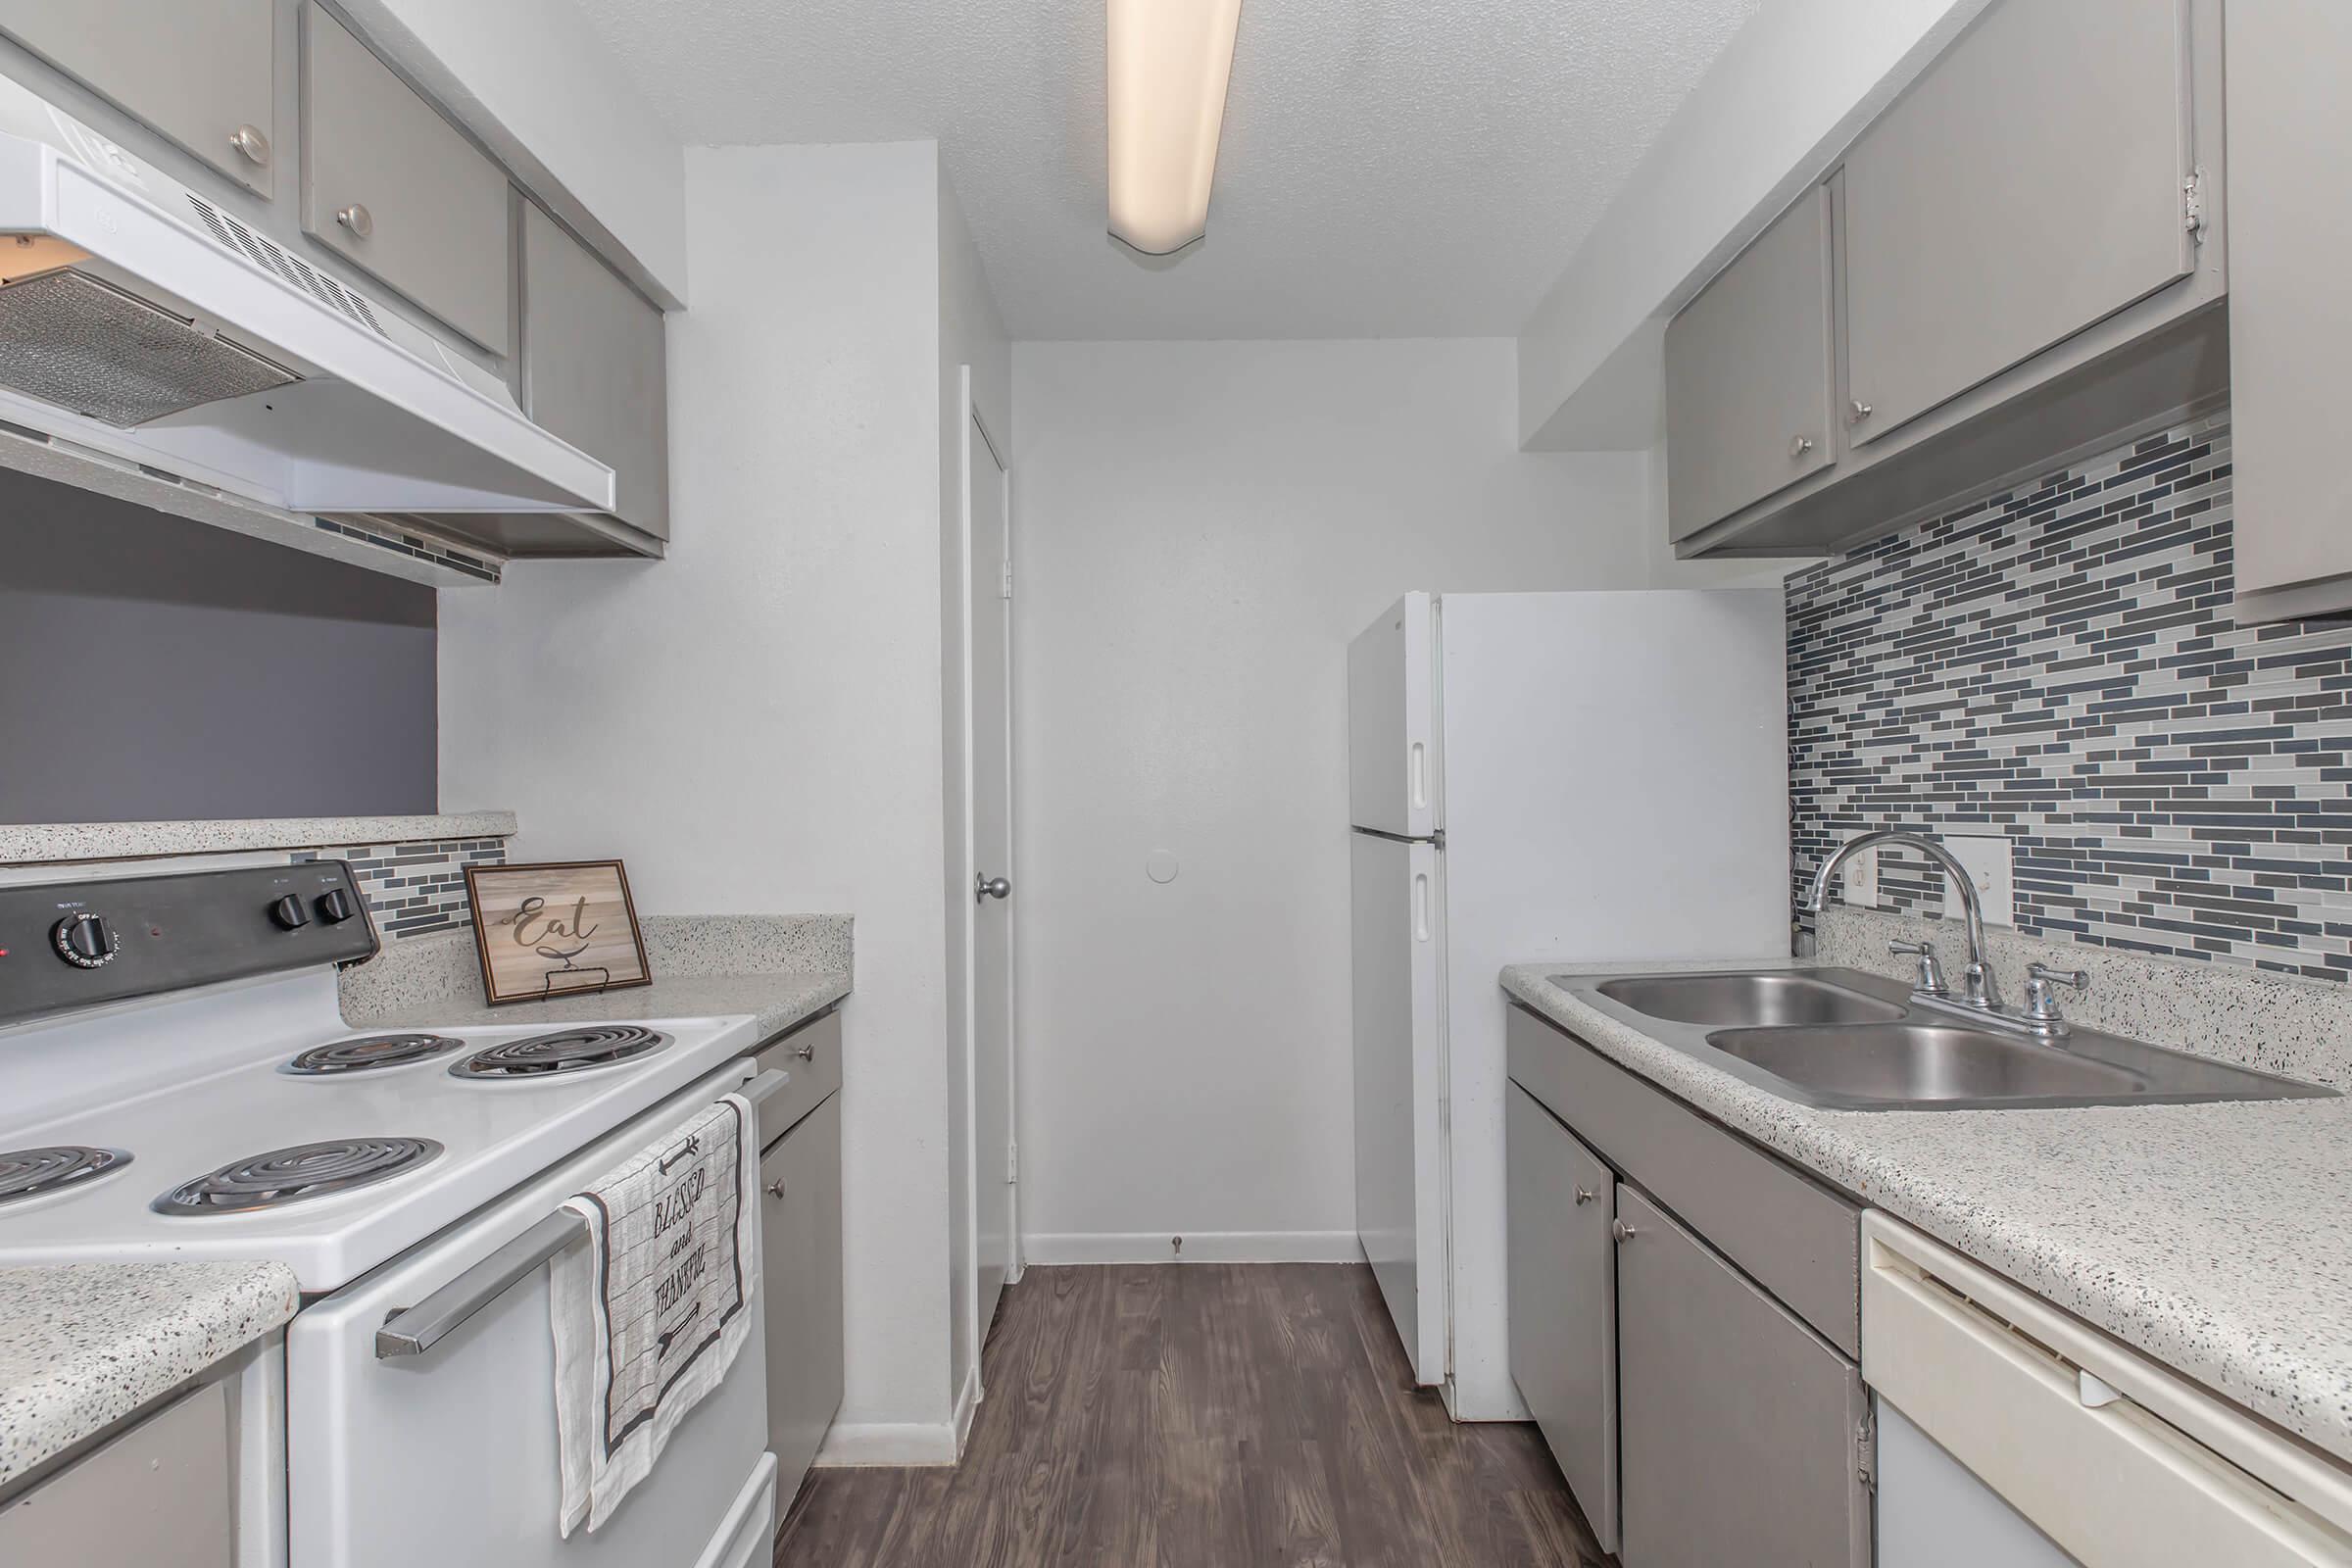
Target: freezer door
1399, 1077
1393, 779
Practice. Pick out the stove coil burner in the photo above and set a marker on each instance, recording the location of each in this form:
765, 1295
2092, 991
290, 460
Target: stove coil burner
370, 1051
293, 1175
30, 1172
567, 1050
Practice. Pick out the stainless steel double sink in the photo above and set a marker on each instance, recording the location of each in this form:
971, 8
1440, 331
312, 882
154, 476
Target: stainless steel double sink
1843, 1040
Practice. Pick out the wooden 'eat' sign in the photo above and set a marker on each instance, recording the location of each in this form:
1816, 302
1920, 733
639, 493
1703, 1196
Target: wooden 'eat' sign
553, 929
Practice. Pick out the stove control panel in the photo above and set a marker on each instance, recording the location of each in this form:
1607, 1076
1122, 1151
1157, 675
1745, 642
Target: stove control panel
68, 945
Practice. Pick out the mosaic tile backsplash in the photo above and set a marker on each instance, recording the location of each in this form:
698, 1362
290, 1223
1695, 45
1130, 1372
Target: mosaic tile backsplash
412, 889
2058, 665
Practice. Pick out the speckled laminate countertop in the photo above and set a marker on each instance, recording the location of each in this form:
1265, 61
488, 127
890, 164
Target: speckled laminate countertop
84, 1344
2215, 1238
777, 999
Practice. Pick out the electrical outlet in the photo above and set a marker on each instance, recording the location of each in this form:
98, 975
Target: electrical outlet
1987, 860
1860, 887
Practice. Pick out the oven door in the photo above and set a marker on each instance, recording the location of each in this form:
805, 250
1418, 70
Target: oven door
447, 1457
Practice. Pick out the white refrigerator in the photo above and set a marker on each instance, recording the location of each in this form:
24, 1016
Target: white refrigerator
1578, 777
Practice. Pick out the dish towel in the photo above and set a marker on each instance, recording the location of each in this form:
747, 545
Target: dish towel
650, 1313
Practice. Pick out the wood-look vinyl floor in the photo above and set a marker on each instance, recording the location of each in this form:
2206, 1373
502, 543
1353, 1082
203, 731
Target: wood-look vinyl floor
1201, 1415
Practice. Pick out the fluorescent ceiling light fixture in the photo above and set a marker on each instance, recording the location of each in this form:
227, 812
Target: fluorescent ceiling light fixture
1169, 62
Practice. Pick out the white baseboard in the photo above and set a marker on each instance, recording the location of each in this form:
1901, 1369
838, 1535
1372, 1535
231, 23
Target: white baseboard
967, 1404
1203, 1246
889, 1443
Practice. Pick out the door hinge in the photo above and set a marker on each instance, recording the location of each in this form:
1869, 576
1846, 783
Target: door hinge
1866, 1451
1013, 1163
2192, 204
1005, 589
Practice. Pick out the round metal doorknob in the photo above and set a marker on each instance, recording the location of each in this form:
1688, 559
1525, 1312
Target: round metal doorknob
1798, 446
1621, 1232
806, 1051
249, 141
357, 219
1857, 411
1583, 1196
776, 1189
992, 887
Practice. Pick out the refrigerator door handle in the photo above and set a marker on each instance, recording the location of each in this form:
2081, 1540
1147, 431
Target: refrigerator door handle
1421, 907
1418, 775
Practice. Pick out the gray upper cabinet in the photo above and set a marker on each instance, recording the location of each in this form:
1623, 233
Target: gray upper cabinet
390, 184
594, 367
2028, 259
201, 71
1749, 375
1563, 1302
1739, 1426
2290, 315
2028, 186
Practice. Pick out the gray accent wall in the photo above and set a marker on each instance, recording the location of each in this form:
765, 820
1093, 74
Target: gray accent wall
153, 668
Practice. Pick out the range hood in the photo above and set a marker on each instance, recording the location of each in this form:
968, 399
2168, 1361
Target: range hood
144, 323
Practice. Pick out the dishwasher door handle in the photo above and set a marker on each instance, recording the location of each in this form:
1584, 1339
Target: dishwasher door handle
414, 1330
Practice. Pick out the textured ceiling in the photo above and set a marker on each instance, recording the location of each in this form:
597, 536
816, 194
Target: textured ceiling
1389, 168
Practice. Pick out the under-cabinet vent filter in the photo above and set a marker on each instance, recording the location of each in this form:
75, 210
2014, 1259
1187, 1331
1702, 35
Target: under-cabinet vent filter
85, 345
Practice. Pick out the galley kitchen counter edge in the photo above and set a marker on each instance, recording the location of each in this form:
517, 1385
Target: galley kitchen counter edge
2215, 1238
84, 1345
780, 969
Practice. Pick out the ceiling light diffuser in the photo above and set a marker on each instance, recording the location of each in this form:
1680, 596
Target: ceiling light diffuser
1169, 62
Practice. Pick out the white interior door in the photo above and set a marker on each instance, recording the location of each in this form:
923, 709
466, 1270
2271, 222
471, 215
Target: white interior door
990, 620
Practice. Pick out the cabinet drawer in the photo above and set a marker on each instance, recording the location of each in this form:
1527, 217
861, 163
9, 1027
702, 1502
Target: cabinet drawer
390, 184
1748, 379
2027, 186
1740, 1429
1562, 1293
1797, 1238
594, 368
812, 1053
202, 72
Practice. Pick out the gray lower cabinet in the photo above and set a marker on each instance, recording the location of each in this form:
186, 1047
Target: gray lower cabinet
1749, 375
1563, 1302
799, 1248
397, 189
1741, 1428
594, 366
2290, 315
159, 1493
201, 71
2028, 184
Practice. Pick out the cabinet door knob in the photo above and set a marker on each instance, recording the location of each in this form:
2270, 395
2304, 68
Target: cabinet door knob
249, 141
1856, 411
1798, 446
1583, 1196
357, 219
776, 1189
806, 1051
1621, 1232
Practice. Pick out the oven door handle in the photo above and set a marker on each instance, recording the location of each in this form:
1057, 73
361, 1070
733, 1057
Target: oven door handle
414, 1330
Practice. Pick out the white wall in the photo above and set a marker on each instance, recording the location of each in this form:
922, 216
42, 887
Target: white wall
970, 334
1202, 527
755, 724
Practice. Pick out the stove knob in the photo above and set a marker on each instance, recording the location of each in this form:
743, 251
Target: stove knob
85, 941
335, 907
290, 912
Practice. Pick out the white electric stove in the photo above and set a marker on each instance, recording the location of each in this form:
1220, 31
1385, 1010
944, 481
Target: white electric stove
176, 1082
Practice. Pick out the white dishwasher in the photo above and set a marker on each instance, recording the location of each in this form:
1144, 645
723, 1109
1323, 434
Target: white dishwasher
2012, 1434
